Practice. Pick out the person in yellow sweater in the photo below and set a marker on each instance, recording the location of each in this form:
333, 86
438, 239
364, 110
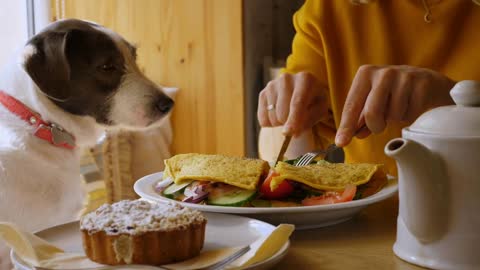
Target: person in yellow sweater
379, 64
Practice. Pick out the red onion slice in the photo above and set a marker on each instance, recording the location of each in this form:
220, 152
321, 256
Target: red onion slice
196, 199
162, 184
200, 192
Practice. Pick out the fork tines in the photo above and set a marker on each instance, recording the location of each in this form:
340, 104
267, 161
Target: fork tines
307, 158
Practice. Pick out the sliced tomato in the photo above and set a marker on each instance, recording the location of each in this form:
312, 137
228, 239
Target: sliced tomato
331, 197
282, 191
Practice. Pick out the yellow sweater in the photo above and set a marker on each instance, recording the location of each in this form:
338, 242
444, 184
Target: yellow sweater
334, 38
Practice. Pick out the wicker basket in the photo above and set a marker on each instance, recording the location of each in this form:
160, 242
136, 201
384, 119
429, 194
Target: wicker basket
117, 166
130, 155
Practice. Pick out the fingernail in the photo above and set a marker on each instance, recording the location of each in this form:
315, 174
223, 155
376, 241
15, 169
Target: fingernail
340, 140
287, 130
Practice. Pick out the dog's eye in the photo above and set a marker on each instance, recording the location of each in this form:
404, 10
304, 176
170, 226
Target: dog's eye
107, 67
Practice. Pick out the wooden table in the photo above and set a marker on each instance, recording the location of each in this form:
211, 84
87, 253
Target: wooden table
365, 242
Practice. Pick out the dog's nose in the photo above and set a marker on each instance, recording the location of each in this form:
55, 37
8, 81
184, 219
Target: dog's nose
164, 104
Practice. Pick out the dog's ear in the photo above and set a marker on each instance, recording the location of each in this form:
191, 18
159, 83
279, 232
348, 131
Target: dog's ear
48, 66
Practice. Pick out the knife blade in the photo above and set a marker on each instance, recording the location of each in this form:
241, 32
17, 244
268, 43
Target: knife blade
286, 142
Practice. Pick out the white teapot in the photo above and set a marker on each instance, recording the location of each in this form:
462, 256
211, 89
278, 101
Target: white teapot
438, 162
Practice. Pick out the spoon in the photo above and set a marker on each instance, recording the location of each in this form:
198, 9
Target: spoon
335, 154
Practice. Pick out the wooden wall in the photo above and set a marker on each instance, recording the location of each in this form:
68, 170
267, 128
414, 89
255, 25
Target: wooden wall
195, 45
268, 32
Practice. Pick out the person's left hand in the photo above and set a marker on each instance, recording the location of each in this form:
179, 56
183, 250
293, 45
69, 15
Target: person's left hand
382, 93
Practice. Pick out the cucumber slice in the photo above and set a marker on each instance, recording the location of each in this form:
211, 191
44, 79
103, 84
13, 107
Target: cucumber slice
261, 203
284, 204
170, 190
170, 196
231, 197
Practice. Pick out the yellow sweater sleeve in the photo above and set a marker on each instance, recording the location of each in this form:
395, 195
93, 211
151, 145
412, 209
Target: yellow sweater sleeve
307, 50
307, 55
334, 38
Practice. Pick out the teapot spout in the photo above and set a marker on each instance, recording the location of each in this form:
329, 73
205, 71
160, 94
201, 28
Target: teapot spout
423, 192
406, 153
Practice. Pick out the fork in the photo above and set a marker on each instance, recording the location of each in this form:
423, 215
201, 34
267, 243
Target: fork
216, 266
307, 158
333, 154
221, 264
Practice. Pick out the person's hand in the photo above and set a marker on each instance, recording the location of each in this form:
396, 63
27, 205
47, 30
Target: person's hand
296, 101
382, 93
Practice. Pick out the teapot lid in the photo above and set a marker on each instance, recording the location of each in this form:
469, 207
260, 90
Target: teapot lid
462, 119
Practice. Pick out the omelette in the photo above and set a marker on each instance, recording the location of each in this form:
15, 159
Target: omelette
324, 175
239, 182
240, 172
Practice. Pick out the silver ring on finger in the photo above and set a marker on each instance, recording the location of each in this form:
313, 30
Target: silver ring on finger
271, 107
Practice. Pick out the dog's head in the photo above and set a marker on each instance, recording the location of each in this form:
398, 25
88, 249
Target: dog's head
88, 70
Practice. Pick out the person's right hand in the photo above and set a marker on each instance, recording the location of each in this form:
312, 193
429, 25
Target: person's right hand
296, 101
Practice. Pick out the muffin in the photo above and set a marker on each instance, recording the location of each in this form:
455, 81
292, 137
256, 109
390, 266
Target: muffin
140, 232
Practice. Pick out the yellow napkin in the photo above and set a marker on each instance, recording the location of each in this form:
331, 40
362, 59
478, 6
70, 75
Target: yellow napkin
39, 253
265, 247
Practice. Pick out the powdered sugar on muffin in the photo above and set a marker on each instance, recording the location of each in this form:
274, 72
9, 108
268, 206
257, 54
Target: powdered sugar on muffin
137, 217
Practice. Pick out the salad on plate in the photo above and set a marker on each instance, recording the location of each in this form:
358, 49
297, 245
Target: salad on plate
242, 182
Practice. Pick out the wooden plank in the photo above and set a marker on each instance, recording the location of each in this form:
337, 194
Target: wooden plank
257, 45
194, 45
268, 34
283, 30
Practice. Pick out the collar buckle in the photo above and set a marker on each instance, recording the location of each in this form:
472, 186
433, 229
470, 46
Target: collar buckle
59, 136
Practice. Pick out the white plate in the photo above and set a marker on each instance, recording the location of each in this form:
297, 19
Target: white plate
303, 217
221, 231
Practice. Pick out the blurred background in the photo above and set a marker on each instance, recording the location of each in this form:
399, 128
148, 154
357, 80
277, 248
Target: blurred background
219, 53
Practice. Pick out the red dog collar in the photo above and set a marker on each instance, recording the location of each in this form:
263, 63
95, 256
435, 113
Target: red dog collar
49, 132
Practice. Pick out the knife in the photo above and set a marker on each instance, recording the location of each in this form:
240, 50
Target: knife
285, 143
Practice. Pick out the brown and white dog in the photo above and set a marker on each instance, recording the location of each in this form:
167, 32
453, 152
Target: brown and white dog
79, 78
